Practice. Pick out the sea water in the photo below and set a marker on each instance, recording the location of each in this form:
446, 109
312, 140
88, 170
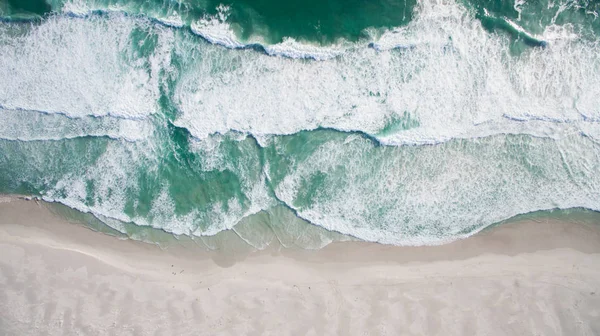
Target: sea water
406, 122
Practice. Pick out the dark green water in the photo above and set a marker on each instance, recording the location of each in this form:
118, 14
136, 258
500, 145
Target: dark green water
401, 122
24, 8
327, 21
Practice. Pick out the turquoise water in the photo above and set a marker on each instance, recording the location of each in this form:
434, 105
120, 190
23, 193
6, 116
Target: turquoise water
400, 122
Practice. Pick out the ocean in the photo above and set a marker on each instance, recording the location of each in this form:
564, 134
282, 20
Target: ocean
404, 122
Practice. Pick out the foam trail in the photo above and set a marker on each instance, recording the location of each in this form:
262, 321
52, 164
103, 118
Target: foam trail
80, 67
153, 127
424, 195
126, 182
493, 92
215, 29
37, 126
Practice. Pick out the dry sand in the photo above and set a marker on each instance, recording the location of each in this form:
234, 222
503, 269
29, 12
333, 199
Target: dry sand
526, 278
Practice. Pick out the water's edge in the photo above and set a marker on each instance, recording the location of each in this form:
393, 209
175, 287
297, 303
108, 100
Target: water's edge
230, 240
424, 131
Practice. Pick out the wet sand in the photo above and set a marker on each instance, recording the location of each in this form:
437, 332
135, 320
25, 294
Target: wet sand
524, 278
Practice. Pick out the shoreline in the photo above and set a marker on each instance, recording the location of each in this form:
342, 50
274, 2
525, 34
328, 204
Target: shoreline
546, 271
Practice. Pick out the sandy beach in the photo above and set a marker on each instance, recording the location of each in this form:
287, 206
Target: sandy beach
524, 278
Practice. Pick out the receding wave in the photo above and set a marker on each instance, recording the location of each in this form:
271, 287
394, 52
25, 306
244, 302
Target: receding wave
416, 134
409, 195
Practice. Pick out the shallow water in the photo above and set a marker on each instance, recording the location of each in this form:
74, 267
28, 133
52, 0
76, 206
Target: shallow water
400, 122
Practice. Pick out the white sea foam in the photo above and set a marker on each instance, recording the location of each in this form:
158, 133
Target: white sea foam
35, 126
522, 30
442, 71
173, 20
454, 78
518, 4
425, 195
78, 67
560, 32
77, 8
216, 29
293, 49
116, 183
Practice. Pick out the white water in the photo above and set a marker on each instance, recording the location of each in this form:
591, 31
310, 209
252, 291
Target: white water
434, 194
215, 29
36, 126
79, 76
450, 75
456, 79
79, 67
